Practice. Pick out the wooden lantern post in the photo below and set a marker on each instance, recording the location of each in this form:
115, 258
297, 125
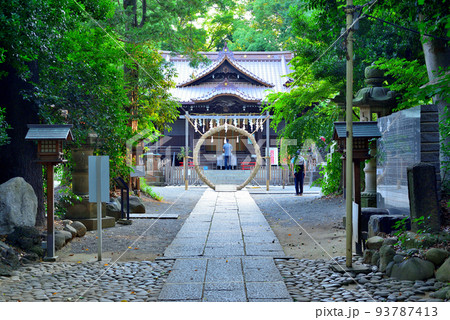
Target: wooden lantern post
50, 140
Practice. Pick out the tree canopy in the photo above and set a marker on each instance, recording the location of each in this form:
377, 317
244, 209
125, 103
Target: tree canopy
96, 64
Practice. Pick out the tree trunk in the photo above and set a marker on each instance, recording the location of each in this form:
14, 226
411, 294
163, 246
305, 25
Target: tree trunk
17, 157
437, 55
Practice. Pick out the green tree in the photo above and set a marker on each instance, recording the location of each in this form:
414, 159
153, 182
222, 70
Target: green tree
27, 29
4, 138
267, 28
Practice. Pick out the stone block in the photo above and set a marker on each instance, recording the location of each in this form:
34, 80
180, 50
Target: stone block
385, 224
84, 209
429, 147
428, 108
366, 213
428, 137
429, 127
423, 197
429, 117
368, 200
91, 224
429, 156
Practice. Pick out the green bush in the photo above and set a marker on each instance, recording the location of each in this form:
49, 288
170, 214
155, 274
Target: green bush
331, 175
145, 188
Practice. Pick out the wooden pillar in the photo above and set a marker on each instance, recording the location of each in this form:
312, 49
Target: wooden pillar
357, 197
349, 125
186, 146
50, 215
267, 151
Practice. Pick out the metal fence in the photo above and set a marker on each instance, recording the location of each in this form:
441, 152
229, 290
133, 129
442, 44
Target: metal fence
174, 175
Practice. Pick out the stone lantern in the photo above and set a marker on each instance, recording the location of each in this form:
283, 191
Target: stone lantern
373, 99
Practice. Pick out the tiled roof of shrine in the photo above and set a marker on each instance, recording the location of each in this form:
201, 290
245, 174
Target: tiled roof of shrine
261, 73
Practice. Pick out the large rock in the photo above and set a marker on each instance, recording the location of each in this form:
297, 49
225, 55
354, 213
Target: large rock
441, 293
8, 260
437, 256
136, 205
113, 209
71, 229
60, 240
367, 258
413, 269
80, 227
67, 235
389, 268
375, 258
387, 254
390, 241
443, 273
374, 243
18, 205
24, 238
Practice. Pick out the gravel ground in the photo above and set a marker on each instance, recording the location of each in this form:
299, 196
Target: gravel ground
145, 239
314, 280
308, 227
86, 282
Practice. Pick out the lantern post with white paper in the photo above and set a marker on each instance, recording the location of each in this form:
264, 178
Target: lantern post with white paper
99, 191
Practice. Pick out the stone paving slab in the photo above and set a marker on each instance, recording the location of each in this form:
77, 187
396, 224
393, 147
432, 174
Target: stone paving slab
225, 188
267, 290
181, 292
154, 216
225, 254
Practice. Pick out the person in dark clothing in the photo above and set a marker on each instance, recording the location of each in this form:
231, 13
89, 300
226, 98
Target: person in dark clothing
227, 148
298, 171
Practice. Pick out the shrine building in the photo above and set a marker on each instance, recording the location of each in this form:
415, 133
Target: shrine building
231, 89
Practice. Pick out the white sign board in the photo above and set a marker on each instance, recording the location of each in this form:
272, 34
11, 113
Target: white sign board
355, 221
273, 153
100, 163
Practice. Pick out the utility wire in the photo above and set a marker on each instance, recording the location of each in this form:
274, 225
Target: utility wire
405, 28
370, 5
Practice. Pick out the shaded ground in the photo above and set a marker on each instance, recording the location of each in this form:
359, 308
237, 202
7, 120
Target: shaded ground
145, 239
307, 227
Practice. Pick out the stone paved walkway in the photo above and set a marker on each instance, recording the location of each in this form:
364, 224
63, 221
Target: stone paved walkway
225, 252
